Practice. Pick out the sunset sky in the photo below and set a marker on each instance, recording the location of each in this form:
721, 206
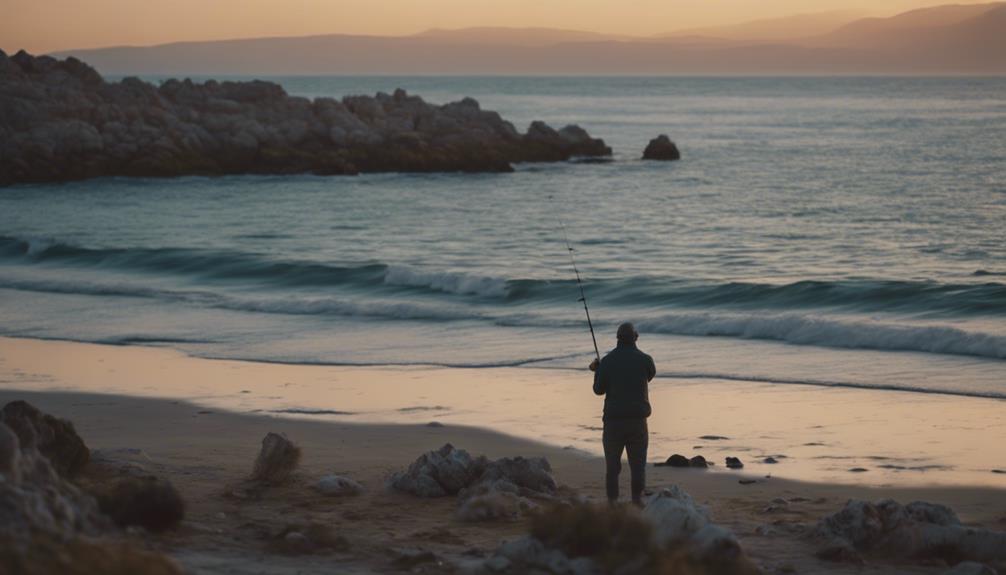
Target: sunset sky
48, 25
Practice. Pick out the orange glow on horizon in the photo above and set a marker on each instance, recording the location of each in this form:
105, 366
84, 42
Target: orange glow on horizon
41, 26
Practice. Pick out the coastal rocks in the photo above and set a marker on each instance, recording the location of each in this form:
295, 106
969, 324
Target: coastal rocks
674, 515
734, 463
306, 539
59, 120
503, 489
676, 460
439, 473
661, 148
54, 438
34, 498
149, 502
337, 486
276, 461
917, 531
681, 461
590, 539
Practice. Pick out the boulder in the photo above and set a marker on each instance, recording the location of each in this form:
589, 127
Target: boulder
337, 486
917, 531
674, 516
661, 148
676, 460
439, 473
698, 462
54, 438
277, 459
734, 463
531, 475
149, 502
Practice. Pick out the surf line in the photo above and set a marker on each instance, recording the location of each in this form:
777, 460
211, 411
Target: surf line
579, 283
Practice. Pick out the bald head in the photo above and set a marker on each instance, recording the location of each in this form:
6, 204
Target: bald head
627, 333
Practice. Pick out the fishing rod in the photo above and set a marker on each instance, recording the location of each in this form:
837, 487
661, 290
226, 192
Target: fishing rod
579, 282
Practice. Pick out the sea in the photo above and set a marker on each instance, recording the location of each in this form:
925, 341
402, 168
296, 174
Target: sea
846, 232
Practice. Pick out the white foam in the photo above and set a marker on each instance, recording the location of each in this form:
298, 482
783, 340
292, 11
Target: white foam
461, 283
830, 332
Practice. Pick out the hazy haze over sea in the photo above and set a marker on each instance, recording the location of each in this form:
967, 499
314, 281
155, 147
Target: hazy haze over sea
847, 231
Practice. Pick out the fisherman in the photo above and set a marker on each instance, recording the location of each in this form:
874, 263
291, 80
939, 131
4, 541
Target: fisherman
623, 377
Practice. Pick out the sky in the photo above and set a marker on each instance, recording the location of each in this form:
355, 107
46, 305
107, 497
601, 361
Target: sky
41, 26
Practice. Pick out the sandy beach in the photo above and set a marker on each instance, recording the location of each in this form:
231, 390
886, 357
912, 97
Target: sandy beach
130, 398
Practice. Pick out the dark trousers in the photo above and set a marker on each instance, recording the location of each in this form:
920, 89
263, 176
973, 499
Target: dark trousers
633, 436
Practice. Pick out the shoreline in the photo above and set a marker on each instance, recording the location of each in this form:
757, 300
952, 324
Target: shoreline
903, 439
204, 448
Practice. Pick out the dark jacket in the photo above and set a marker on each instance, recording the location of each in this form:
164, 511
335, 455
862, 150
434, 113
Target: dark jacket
623, 377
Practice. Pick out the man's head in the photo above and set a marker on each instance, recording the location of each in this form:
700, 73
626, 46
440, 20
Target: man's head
627, 333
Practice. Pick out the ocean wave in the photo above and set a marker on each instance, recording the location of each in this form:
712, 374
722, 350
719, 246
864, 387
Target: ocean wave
830, 332
461, 283
248, 268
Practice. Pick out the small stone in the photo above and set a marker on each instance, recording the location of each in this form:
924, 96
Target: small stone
858, 470
698, 462
434, 424
149, 502
734, 463
677, 460
747, 481
337, 486
770, 460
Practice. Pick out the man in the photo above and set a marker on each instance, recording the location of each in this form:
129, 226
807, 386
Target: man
623, 377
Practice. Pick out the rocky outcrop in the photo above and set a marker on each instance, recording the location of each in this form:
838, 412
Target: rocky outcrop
917, 531
661, 148
54, 438
440, 473
60, 120
276, 461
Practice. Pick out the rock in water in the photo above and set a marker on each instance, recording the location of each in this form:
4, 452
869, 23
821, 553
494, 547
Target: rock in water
59, 120
661, 148
54, 438
337, 486
277, 460
734, 463
150, 502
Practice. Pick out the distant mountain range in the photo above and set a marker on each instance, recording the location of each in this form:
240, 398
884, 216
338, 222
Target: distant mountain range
952, 39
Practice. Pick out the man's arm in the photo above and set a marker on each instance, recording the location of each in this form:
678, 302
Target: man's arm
600, 381
651, 369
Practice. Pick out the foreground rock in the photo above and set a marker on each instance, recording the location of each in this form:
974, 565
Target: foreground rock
149, 502
59, 120
487, 490
276, 461
661, 148
48, 525
918, 531
599, 539
54, 438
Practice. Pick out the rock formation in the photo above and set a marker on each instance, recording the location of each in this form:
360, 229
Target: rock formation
60, 120
276, 461
54, 438
337, 486
672, 535
661, 148
917, 531
150, 502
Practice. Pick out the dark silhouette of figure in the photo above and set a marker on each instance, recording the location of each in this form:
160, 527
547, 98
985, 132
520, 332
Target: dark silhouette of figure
623, 378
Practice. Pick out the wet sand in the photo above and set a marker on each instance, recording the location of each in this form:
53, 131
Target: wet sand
203, 448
